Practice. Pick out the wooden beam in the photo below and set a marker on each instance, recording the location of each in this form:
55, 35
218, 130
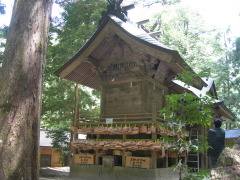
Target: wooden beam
153, 34
139, 23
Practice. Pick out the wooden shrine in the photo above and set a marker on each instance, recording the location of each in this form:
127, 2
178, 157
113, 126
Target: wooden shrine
134, 72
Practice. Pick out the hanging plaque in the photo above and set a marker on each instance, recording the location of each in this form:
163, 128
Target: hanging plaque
109, 120
83, 159
138, 162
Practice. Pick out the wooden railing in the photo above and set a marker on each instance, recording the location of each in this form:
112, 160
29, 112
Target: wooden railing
138, 118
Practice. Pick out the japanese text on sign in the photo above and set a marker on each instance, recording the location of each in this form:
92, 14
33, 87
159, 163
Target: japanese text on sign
84, 159
138, 162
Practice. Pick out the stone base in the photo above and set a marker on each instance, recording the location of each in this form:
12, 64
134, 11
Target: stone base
99, 172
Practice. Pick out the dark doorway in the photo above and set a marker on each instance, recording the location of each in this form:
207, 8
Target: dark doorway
45, 160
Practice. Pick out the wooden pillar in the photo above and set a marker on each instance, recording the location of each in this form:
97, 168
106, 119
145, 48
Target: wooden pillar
175, 160
102, 102
207, 161
97, 156
154, 108
154, 153
74, 135
144, 96
123, 158
76, 110
124, 137
154, 160
165, 160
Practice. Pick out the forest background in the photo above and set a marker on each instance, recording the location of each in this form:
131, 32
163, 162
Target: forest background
202, 46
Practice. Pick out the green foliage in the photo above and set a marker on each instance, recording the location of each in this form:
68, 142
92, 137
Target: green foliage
202, 174
3, 37
60, 140
226, 72
184, 30
79, 21
187, 109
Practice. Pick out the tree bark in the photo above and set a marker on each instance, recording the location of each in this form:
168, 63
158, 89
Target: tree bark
21, 87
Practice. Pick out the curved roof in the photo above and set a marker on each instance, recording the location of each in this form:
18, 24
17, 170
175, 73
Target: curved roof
80, 68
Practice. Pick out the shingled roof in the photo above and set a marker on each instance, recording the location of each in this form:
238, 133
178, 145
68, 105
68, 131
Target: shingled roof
233, 133
79, 63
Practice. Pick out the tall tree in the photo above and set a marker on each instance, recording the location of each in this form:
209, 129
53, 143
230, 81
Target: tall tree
3, 35
226, 72
184, 30
21, 87
78, 22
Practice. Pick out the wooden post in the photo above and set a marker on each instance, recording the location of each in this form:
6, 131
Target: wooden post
154, 108
76, 111
124, 137
154, 153
97, 156
74, 136
204, 158
154, 160
102, 101
207, 162
123, 158
166, 160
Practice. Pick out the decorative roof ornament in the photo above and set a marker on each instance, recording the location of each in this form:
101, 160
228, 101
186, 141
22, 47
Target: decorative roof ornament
115, 8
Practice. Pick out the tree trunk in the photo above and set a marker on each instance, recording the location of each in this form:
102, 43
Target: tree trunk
21, 88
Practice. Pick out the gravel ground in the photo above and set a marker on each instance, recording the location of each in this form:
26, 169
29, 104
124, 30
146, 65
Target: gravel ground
54, 173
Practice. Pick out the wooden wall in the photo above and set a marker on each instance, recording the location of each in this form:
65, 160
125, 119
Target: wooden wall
52, 154
131, 97
123, 98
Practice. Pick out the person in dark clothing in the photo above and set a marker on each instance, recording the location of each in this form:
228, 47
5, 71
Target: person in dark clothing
216, 141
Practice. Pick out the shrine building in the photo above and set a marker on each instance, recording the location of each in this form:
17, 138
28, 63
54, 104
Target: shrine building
134, 72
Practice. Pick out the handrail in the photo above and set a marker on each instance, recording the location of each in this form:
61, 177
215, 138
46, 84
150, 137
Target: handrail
116, 118
121, 119
117, 115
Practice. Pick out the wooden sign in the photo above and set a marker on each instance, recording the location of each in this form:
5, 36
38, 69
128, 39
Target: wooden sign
83, 159
138, 162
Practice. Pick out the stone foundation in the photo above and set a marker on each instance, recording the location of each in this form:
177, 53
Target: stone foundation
99, 172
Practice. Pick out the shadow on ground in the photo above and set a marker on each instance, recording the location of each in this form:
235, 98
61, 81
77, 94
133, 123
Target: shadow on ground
54, 173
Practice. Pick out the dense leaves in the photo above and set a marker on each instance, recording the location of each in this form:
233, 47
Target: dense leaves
185, 31
61, 140
187, 109
3, 34
79, 21
226, 71
67, 34
3, 37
